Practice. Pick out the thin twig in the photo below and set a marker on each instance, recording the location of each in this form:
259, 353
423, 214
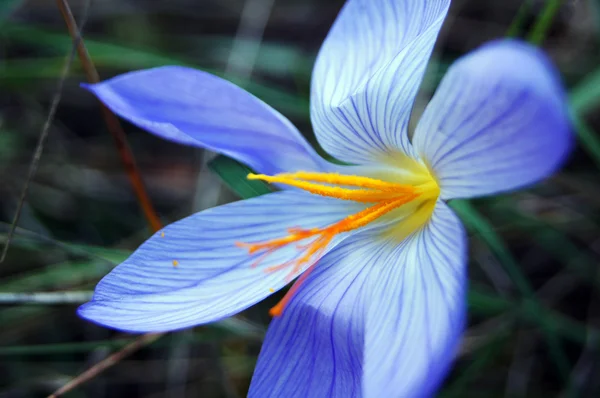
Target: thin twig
114, 127
127, 158
112, 122
253, 21
37, 155
521, 366
108, 362
45, 298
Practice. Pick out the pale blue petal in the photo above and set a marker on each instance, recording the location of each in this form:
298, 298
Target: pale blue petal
375, 319
367, 75
497, 122
417, 310
196, 108
213, 278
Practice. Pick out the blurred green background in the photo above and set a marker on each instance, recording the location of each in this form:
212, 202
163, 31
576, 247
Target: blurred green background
534, 327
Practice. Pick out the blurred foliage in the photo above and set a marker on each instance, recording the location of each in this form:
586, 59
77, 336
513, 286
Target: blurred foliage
534, 328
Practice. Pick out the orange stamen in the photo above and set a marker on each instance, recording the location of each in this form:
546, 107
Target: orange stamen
383, 197
277, 310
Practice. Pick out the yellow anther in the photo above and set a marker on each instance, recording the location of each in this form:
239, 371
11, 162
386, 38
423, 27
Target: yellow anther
175, 263
162, 234
356, 195
334, 178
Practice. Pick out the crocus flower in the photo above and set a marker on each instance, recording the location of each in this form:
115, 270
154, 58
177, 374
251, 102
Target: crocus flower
379, 305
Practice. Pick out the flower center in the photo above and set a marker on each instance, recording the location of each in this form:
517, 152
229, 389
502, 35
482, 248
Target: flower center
380, 197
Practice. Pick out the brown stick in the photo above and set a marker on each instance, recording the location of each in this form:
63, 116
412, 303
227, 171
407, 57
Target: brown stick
39, 148
114, 127
113, 124
107, 363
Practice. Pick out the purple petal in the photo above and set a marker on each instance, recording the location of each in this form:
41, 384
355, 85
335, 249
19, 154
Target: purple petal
195, 108
213, 278
498, 121
315, 348
374, 319
367, 75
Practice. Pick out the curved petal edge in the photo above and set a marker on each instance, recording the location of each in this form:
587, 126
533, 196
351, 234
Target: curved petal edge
192, 272
192, 107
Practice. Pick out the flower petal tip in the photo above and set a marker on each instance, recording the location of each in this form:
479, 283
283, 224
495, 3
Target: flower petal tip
498, 121
195, 108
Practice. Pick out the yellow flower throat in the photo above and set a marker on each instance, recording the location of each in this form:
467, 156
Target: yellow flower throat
380, 197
